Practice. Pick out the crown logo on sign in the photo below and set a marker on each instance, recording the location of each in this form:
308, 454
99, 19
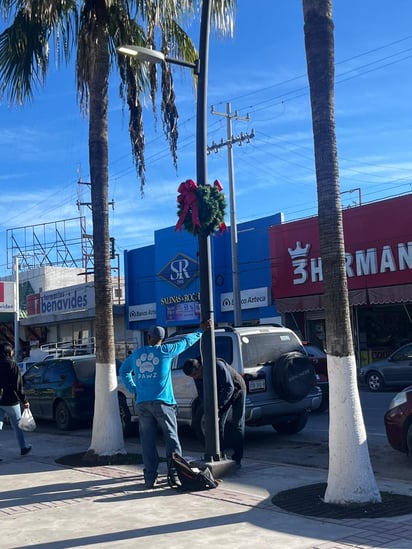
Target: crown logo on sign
299, 251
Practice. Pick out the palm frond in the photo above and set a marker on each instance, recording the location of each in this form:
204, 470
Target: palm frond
179, 43
223, 16
24, 45
24, 58
130, 91
170, 115
136, 79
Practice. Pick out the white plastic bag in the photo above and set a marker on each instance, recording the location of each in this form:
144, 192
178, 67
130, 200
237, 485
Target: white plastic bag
26, 422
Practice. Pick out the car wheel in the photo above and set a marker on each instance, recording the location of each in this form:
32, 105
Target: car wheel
374, 381
129, 427
198, 423
293, 376
63, 417
324, 404
292, 426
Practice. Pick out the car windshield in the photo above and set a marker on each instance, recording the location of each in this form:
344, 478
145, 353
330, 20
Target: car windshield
267, 348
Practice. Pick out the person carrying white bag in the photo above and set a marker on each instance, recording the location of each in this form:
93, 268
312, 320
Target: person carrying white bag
12, 394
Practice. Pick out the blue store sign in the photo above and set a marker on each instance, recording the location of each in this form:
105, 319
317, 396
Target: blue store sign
181, 271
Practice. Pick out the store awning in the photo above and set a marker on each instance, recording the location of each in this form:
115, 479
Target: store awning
390, 294
299, 303
315, 302
373, 296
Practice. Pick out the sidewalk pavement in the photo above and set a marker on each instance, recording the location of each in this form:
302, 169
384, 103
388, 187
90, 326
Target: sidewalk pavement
48, 506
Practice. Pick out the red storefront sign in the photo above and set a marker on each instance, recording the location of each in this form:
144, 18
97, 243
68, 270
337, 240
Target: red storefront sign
33, 304
378, 246
7, 304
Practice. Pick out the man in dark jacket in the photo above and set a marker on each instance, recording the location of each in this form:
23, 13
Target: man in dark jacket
231, 395
12, 394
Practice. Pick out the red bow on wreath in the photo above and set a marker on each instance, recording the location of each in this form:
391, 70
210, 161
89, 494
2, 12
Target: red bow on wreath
188, 200
219, 186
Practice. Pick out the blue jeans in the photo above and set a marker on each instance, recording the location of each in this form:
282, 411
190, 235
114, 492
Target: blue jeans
14, 413
238, 427
154, 414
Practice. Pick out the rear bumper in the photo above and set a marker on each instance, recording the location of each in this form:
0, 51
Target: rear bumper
268, 413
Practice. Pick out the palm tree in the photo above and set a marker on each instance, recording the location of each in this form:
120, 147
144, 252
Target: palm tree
94, 29
350, 477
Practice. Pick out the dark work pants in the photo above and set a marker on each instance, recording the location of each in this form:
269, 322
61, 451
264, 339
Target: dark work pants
238, 427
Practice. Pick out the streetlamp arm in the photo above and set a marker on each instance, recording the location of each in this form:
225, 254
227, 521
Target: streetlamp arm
194, 66
155, 56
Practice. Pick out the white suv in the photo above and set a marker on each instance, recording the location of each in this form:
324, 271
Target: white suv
279, 376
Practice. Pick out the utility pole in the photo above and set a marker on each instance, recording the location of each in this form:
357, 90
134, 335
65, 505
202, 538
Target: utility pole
16, 310
237, 314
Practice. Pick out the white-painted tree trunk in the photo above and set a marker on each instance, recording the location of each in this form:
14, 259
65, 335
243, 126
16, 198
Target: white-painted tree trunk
107, 435
351, 478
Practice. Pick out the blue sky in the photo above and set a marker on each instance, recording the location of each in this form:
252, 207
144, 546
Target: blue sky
261, 72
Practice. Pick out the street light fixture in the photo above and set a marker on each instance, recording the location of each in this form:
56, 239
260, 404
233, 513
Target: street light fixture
200, 68
155, 56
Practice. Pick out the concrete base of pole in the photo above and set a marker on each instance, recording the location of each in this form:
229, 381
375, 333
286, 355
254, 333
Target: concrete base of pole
219, 468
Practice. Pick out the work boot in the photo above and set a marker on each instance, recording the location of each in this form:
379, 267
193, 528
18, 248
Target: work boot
25, 450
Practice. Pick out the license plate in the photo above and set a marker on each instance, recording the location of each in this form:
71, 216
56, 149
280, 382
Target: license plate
256, 385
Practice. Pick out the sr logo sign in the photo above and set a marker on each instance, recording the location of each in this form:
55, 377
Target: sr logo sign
180, 271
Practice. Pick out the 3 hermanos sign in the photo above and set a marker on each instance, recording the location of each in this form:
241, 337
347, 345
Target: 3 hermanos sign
378, 246
372, 261
7, 303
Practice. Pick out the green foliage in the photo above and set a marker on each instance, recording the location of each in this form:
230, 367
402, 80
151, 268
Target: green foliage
211, 205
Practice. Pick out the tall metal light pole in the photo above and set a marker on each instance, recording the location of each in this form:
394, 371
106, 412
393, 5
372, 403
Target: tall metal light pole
200, 68
212, 447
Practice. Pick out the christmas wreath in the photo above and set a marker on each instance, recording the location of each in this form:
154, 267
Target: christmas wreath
201, 208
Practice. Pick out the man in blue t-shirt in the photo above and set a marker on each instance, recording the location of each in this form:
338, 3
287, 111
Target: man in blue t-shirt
152, 385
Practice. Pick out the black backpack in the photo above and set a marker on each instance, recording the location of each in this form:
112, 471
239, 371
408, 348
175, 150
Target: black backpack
191, 477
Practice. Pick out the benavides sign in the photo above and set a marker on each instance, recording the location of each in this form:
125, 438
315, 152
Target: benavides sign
7, 304
62, 300
378, 248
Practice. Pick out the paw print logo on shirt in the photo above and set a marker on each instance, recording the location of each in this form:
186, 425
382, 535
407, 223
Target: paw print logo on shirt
147, 362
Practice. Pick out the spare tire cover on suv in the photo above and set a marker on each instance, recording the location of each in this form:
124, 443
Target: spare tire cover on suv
293, 376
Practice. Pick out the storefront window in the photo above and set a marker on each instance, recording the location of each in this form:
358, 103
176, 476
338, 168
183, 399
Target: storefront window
382, 329
316, 333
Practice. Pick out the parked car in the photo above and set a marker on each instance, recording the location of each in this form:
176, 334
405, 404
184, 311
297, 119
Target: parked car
279, 376
130, 425
62, 389
393, 371
398, 422
319, 360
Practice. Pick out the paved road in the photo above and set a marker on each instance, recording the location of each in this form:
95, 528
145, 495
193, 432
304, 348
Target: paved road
310, 446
